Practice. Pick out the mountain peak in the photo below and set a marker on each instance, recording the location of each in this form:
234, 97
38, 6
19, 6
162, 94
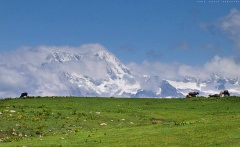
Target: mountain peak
62, 57
91, 70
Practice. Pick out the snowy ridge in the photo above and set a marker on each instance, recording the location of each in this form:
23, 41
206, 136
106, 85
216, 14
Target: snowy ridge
109, 78
100, 73
212, 85
63, 57
91, 70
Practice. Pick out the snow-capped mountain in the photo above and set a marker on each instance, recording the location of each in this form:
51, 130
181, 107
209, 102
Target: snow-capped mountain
212, 85
153, 86
97, 72
100, 73
91, 70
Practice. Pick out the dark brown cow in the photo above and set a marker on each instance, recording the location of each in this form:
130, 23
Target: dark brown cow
214, 95
192, 94
225, 93
24, 94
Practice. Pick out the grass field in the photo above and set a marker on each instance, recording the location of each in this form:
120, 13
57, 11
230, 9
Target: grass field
70, 121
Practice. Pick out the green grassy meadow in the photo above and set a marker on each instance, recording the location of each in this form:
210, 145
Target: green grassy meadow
71, 121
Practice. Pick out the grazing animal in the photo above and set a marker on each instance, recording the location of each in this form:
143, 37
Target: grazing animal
24, 94
192, 94
225, 93
214, 95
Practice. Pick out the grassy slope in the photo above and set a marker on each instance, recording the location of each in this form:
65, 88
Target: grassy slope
76, 121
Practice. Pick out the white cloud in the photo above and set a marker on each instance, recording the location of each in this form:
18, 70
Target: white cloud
21, 70
230, 25
223, 66
171, 71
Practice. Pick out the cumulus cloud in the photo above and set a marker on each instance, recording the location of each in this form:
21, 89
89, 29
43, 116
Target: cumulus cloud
173, 71
17, 77
22, 70
230, 25
223, 66
227, 26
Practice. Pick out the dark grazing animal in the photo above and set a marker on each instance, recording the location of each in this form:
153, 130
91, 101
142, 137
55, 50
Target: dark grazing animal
24, 94
225, 93
192, 94
214, 95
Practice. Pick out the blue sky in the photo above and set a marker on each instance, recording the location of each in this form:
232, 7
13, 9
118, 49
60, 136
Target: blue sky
184, 31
